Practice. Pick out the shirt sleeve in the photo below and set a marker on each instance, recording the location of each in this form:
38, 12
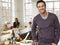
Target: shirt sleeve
56, 26
33, 32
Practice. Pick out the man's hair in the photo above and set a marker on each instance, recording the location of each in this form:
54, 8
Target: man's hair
40, 2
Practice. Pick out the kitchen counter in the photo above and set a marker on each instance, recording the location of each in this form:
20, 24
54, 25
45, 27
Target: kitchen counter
3, 43
9, 44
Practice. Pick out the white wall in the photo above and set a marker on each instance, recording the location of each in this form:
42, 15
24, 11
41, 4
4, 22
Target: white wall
18, 5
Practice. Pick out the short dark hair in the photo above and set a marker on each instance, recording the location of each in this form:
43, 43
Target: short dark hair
41, 1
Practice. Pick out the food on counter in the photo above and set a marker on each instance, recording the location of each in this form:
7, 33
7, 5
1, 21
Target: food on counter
26, 41
5, 32
5, 29
6, 42
18, 39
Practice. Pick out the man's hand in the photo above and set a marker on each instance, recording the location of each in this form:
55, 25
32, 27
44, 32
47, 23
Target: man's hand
53, 44
35, 43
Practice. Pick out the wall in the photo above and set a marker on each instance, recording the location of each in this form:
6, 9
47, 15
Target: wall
19, 10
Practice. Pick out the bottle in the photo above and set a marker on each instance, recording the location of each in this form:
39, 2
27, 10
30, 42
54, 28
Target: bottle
13, 37
13, 34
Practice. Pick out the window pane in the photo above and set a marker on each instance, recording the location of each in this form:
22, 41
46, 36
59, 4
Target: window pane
48, 0
49, 5
10, 0
6, 0
28, 10
56, 4
5, 7
56, 0
50, 10
28, 1
28, 19
51, 0
28, 13
56, 11
5, 4
28, 6
9, 5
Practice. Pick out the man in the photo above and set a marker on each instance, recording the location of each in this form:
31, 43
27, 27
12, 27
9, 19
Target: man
48, 26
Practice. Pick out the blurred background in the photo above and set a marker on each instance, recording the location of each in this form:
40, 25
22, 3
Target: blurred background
24, 10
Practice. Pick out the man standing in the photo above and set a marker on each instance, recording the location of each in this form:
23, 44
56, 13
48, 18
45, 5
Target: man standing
48, 26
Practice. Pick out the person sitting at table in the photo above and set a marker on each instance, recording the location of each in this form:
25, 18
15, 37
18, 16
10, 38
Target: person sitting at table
16, 23
30, 24
5, 27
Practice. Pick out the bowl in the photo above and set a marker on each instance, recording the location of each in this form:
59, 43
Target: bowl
26, 42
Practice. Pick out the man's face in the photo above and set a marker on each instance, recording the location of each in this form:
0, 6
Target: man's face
41, 7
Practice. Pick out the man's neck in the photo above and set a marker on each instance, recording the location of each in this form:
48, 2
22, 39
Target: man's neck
44, 14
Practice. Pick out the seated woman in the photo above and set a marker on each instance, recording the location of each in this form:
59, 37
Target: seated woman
16, 23
5, 27
30, 24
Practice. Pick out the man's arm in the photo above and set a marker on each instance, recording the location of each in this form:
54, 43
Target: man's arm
33, 32
56, 26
